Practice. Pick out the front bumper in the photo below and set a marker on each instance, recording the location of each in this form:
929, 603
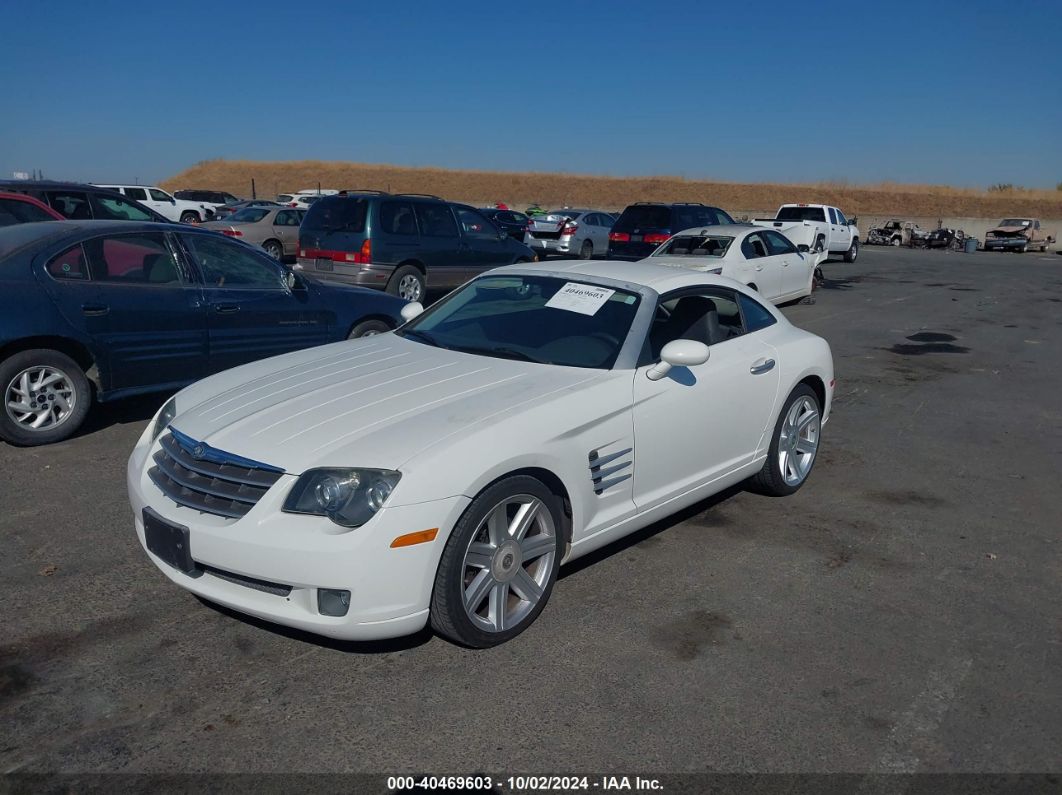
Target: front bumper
390, 588
1006, 243
370, 275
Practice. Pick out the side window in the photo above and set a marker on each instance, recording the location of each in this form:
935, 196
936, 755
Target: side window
114, 208
757, 316
778, 244
436, 220
753, 246
227, 264
69, 265
710, 317
22, 212
74, 206
475, 225
287, 218
143, 258
833, 216
396, 218
136, 194
841, 219
158, 196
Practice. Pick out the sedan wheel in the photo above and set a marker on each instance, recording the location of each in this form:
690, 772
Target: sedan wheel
274, 249
499, 565
794, 446
46, 397
587, 250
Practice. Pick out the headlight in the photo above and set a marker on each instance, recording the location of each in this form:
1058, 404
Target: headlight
164, 418
349, 497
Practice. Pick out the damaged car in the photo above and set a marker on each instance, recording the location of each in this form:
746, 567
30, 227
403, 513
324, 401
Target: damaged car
897, 233
1018, 234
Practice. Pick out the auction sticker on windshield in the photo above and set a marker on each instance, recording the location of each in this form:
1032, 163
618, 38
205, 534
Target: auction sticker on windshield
582, 298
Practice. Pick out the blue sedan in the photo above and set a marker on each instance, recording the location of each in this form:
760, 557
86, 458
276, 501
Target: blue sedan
113, 309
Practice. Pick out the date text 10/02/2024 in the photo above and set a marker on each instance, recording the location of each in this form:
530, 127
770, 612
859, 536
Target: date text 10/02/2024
523, 783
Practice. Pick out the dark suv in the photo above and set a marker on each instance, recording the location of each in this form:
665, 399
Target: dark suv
83, 202
645, 225
404, 243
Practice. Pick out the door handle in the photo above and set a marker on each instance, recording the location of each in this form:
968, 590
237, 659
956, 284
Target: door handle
759, 267
94, 310
762, 366
226, 309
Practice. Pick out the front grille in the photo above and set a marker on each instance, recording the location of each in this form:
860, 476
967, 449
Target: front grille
211, 482
275, 588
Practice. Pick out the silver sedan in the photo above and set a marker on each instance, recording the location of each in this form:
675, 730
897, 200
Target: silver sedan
276, 229
570, 231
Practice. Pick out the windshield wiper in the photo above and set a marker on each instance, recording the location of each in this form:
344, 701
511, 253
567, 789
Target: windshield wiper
502, 353
422, 336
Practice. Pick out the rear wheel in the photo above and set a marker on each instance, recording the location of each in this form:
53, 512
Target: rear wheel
499, 565
368, 328
794, 445
587, 250
274, 249
189, 217
407, 282
46, 397
853, 251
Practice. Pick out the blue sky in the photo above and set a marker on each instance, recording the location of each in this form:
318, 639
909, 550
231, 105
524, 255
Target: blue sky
966, 93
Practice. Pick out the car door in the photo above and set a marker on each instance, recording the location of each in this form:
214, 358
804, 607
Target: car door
440, 251
251, 313
840, 231
759, 268
484, 243
133, 297
286, 229
794, 270
699, 424
163, 203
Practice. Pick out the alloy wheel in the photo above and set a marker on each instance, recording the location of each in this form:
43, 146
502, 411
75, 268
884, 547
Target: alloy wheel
409, 288
507, 565
40, 398
798, 441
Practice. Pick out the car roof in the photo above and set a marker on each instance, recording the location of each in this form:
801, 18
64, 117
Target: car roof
661, 278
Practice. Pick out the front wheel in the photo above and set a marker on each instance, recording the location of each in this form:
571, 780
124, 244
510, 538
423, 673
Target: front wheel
189, 217
46, 397
368, 328
274, 249
407, 282
853, 251
793, 447
587, 250
499, 565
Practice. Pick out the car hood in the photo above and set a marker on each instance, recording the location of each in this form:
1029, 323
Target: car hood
374, 402
1011, 230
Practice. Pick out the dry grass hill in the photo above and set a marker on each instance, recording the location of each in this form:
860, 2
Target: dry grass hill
522, 189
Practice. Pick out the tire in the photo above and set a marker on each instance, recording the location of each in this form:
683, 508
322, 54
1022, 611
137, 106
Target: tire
72, 388
586, 251
274, 249
189, 217
896, 241
776, 479
368, 328
853, 251
407, 282
482, 565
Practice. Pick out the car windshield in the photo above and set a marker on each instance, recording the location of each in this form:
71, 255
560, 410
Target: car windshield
249, 215
801, 214
531, 318
695, 246
1015, 222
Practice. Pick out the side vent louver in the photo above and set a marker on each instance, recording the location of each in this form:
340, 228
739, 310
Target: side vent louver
608, 469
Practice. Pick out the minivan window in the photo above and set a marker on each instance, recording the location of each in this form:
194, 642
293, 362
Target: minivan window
436, 220
801, 214
473, 224
338, 214
644, 216
396, 218
132, 259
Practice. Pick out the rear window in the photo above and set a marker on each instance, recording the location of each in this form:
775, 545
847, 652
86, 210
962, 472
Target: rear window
801, 214
687, 217
644, 216
695, 246
334, 214
250, 215
285, 198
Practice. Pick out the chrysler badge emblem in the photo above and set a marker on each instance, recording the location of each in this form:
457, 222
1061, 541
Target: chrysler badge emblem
198, 451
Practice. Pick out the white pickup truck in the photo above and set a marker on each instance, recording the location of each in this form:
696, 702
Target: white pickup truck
817, 228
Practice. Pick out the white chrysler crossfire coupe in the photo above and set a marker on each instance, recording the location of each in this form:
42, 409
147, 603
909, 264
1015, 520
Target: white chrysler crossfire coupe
442, 473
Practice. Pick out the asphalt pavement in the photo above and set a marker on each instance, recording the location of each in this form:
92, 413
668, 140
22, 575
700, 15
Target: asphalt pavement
901, 613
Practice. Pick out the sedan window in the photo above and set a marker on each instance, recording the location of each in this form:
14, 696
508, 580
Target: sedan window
753, 247
21, 212
778, 244
69, 265
249, 215
227, 264
132, 259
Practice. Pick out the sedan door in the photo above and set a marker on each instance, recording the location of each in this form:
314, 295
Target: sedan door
286, 229
131, 296
699, 424
251, 312
759, 267
795, 271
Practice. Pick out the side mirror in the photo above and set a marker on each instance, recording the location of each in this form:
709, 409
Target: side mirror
411, 310
803, 248
678, 353
293, 282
